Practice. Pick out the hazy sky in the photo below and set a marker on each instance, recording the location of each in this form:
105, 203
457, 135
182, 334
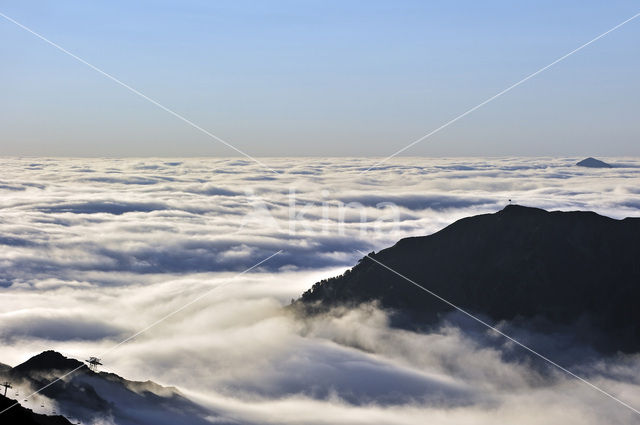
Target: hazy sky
319, 77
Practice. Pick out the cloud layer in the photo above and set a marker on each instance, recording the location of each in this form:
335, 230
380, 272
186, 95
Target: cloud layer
93, 250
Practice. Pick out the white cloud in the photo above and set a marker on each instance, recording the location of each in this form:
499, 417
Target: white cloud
93, 250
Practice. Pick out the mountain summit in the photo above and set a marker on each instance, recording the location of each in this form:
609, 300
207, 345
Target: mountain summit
593, 163
520, 262
47, 361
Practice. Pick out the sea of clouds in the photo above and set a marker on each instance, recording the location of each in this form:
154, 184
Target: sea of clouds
94, 250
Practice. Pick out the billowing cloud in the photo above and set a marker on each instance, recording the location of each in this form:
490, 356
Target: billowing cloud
94, 250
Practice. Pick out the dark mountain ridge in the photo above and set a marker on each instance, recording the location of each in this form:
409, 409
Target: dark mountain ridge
520, 262
93, 396
46, 361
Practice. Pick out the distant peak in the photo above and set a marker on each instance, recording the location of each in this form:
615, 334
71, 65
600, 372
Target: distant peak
593, 163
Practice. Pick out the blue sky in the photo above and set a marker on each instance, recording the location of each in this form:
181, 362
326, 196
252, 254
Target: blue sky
330, 78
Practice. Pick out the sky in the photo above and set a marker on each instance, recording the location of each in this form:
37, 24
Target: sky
319, 78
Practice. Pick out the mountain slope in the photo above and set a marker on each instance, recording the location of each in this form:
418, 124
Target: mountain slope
19, 415
92, 396
517, 263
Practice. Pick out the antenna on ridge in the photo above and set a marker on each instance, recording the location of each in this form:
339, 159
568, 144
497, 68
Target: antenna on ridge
6, 386
93, 362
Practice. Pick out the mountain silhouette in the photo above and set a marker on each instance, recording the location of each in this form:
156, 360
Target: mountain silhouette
593, 163
46, 361
92, 397
518, 263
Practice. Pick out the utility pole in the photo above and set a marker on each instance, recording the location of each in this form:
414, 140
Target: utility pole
6, 386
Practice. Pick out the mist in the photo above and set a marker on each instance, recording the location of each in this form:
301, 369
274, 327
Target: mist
94, 250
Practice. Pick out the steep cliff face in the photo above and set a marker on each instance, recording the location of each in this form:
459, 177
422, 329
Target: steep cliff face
517, 263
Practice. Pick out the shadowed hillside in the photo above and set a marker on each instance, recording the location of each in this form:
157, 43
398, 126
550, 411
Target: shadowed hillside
517, 263
93, 396
19, 415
